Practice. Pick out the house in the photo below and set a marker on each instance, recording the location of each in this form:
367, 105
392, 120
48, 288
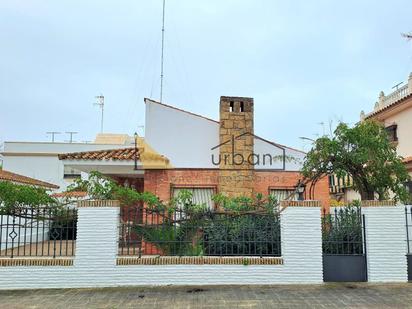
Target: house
394, 111
184, 150
23, 180
40, 160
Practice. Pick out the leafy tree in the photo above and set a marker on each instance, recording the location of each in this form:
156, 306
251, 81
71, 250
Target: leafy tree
365, 153
183, 227
97, 186
14, 197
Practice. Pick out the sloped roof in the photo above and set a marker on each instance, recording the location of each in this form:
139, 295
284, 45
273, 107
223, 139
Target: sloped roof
75, 194
215, 121
13, 177
122, 154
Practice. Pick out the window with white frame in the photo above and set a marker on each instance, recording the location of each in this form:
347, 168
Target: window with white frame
199, 195
283, 194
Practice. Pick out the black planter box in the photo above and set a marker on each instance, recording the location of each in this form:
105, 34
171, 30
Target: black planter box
344, 268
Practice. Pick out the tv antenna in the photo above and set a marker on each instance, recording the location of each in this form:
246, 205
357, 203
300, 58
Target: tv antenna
53, 134
100, 103
162, 57
397, 86
71, 133
407, 36
323, 126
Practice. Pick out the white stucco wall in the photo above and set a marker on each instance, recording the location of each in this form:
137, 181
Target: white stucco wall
187, 139
184, 139
386, 244
404, 122
39, 160
96, 250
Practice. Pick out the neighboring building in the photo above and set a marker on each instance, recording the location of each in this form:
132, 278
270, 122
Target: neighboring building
40, 160
183, 150
23, 180
341, 189
395, 112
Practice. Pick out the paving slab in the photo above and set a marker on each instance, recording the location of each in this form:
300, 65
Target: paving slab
361, 295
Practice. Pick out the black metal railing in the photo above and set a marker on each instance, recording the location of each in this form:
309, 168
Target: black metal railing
178, 233
408, 223
343, 231
44, 231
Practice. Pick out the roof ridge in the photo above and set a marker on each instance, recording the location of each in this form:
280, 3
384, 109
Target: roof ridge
181, 110
218, 122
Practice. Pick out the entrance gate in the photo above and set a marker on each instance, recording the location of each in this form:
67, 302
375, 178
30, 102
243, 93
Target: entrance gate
344, 245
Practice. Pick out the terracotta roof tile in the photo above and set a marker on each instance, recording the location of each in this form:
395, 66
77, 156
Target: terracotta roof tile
407, 160
76, 194
122, 154
13, 177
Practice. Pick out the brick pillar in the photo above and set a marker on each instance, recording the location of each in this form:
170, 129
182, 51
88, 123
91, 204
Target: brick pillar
385, 242
97, 234
236, 146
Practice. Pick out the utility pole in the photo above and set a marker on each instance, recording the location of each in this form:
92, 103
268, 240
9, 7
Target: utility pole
396, 87
53, 133
162, 57
71, 133
100, 103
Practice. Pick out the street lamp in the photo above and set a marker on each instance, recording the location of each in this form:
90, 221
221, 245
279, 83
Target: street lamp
307, 139
300, 189
135, 150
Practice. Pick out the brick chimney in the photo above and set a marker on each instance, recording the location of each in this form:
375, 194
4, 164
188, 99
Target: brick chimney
236, 152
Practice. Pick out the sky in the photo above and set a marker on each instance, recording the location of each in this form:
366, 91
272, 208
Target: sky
304, 62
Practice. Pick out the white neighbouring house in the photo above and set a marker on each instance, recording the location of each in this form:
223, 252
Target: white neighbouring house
40, 160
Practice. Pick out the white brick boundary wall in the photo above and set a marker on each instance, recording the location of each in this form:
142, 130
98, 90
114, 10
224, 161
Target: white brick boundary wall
96, 253
386, 245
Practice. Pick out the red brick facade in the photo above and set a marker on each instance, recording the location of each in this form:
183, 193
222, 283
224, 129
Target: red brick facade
161, 182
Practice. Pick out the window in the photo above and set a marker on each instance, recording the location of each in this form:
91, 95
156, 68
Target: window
392, 133
199, 195
331, 180
283, 194
231, 106
70, 172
